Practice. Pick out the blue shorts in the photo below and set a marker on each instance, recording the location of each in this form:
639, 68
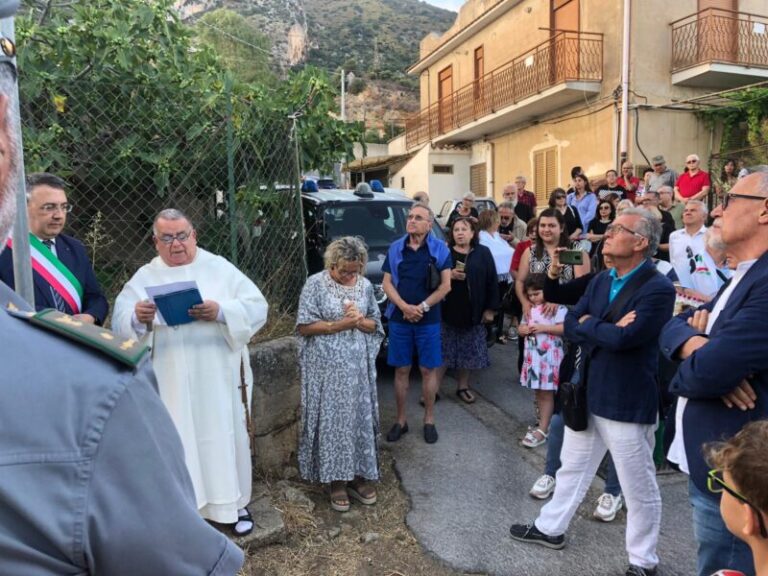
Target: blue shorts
406, 338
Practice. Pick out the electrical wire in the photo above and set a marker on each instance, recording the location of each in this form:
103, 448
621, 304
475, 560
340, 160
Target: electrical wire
637, 135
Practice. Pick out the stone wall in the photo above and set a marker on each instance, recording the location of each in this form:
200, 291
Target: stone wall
275, 404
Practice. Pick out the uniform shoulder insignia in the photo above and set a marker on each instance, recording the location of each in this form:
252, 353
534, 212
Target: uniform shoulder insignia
125, 350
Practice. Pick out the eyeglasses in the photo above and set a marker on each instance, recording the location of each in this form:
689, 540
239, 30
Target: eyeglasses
417, 218
50, 208
728, 196
691, 161
716, 485
616, 228
347, 273
559, 197
169, 238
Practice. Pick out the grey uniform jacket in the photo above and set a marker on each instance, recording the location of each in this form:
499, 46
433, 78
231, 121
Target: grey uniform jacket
92, 473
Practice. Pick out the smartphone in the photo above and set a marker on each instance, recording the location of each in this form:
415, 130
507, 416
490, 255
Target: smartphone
573, 257
459, 265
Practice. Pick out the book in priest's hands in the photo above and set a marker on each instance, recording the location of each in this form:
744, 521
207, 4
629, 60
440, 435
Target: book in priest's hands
174, 301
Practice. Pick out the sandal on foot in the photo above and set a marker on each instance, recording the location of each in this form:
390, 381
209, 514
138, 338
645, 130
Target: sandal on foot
244, 524
340, 500
362, 492
534, 438
465, 395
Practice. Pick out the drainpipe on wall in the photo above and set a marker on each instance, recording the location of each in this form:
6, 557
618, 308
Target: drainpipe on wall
492, 171
624, 139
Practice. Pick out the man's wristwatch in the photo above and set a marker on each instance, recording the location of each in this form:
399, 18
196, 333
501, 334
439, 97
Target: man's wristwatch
424, 307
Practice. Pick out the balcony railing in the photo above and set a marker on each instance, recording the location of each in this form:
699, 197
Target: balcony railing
566, 56
715, 35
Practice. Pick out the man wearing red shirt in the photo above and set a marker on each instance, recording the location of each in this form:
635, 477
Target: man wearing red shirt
525, 196
694, 184
628, 180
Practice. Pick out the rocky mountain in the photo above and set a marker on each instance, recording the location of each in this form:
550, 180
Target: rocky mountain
376, 40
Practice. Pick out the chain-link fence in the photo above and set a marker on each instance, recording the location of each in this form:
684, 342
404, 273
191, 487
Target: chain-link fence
741, 158
128, 151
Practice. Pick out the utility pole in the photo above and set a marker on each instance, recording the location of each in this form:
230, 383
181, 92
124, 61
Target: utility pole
624, 133
343, 96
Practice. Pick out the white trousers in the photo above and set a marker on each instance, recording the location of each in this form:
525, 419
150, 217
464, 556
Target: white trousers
631, 446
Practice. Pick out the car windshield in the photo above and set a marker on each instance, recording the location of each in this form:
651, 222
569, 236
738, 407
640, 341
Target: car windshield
377, 223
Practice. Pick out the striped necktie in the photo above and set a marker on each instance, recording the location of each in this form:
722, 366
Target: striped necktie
57, 299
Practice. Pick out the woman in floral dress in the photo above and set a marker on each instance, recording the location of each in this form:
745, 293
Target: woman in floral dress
340, 333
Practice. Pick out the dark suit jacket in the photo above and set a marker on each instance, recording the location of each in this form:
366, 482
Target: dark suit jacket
621, 382
737, 350
72, 254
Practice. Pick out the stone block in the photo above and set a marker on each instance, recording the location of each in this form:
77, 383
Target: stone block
276, 385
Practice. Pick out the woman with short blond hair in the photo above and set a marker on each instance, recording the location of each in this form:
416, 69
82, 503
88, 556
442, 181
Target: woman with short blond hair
340, 333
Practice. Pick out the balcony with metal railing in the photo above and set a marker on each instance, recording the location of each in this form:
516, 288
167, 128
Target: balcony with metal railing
553, 74
717, 48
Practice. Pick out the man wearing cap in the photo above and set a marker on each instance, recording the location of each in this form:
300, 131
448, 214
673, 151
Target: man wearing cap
63, 275
693, 184
662, 176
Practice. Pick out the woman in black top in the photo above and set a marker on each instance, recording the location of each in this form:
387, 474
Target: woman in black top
559, 201
605, 215
473, 299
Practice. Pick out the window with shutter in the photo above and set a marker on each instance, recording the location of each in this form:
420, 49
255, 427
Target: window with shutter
477, 180
544, 174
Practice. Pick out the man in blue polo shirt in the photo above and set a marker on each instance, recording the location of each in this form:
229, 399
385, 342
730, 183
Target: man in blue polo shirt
414, 313
623, 395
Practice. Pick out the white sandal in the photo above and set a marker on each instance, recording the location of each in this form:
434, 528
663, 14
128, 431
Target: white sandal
531, 440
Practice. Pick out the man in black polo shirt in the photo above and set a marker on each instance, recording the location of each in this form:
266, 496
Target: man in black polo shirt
414, 313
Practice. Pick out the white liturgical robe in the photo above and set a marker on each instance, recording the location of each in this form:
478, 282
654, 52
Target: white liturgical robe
198, 374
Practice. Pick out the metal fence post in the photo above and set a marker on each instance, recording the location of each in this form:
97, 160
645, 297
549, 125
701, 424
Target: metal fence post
231, 172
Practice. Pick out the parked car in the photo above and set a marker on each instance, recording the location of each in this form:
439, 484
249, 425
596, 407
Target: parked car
378, 218
450, 205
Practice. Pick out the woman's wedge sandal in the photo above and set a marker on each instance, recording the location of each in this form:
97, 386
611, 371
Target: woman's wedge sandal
362, 492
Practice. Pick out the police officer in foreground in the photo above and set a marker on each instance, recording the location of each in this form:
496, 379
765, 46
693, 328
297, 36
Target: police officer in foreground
92, 473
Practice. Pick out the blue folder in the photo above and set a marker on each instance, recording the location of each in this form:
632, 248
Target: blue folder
175, 306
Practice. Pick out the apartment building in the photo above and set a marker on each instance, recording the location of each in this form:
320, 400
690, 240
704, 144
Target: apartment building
534, 87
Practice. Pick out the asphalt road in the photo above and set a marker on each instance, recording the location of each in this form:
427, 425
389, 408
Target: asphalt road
467, 489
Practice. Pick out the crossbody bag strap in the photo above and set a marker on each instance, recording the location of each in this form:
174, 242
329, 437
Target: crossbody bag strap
628, 291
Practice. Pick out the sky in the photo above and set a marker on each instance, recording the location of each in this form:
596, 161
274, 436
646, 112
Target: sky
447, 4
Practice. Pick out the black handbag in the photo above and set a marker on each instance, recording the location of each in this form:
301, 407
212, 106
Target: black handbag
572, 396
572, 393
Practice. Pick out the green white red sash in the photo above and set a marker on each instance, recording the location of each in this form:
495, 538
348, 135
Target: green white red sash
53, 271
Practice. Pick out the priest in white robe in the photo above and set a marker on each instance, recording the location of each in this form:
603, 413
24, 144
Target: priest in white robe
198, 364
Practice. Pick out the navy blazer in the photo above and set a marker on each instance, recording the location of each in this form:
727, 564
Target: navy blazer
72, 254
737, 350
622, 378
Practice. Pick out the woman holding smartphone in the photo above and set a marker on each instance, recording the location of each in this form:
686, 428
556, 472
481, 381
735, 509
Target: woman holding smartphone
537, 259
473, 300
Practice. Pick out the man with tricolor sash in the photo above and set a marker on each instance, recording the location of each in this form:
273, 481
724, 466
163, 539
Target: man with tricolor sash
63, 274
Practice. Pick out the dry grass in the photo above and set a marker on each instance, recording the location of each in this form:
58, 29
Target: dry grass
326, 543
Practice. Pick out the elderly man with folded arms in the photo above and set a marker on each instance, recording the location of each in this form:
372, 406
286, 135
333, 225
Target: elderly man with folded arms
722, 379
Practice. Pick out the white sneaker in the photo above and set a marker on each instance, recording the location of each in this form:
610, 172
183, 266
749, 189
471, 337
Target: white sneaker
543, 487
608, 506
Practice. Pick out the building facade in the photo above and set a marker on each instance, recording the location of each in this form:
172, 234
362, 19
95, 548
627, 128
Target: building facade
534, 87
